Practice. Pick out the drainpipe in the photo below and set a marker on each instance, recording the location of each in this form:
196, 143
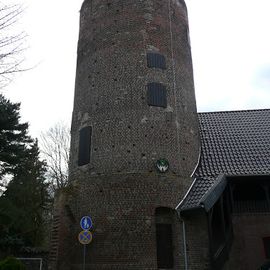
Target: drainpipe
184, 239
185, 244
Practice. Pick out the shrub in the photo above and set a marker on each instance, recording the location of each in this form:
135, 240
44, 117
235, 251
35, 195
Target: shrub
11, 263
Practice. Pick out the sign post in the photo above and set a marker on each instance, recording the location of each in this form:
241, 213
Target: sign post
84, 254
85, 237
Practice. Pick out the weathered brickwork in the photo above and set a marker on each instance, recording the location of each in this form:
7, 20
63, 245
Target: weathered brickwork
120, 188
248, 250
197, 241
122, 208
111, 84
61, 243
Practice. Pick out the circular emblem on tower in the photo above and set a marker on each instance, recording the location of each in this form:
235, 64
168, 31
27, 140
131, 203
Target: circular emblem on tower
162, 165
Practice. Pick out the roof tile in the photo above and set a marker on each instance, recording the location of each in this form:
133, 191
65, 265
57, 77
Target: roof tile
233, 143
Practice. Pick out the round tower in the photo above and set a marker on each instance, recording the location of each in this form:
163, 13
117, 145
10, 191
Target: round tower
134, 88
134, 110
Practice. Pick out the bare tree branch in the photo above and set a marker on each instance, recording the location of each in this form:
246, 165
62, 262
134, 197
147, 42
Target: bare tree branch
11, 44
54, 146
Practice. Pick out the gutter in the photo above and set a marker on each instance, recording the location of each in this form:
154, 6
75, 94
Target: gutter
201, 206
179, 215
194, 208
192, 184
198, 162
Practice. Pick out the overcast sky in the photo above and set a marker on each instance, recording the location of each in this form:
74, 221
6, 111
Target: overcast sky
230, 47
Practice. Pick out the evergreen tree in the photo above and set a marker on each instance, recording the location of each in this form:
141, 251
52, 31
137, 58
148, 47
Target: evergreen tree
26, 197
13, 137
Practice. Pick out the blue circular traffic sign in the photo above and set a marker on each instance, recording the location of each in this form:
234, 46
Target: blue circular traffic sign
86, 223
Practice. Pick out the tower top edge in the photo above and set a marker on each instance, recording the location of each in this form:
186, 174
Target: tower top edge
173, 1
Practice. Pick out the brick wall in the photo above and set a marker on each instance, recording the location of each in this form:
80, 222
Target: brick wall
61, 244
197, 241
110, 92
123, 210
247, 250
120, 188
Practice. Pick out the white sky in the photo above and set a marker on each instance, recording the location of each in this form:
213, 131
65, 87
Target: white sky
230, 47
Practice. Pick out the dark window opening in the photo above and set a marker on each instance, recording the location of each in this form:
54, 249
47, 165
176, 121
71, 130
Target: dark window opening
84, 146
164, 237
226, 209
221, 231
156, 95
248, 192
164, 245
155, 60
218, 237
266, 244
249, 197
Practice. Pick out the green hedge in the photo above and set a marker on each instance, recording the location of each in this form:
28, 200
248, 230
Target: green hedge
11, 263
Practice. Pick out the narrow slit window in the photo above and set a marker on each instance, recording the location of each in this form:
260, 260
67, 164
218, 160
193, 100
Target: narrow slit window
164, 245
156, 60
84, 146
266, 243
156, 95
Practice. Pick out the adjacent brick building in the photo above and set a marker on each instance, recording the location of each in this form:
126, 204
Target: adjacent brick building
231, 189
157, 179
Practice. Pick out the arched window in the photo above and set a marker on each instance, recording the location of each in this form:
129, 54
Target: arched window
164, 237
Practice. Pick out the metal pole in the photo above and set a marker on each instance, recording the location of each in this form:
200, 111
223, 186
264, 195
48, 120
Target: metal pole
41, 264
84, 254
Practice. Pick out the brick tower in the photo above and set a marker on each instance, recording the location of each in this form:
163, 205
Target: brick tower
134, 108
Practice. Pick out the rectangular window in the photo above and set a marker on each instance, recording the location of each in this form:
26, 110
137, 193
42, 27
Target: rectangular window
156, 60
84, 146
156, 95
164, 245
266, 243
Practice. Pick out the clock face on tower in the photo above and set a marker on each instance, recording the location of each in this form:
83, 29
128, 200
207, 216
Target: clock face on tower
162, 165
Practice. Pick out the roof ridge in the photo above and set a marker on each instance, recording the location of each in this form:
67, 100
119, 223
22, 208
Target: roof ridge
233, 111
